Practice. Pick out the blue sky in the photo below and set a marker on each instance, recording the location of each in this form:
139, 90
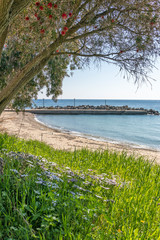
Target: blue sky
107, 83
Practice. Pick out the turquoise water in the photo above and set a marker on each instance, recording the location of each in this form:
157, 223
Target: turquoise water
143, 131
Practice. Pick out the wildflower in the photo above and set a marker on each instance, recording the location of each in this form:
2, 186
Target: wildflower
55, 6
47, 173
109, 200
37, 3
31, 165
119, 230
56, 194
39, 179
14, 170
37, 192
36, 15
63, 33
106, 188
29, 162
54, 185
112, 20
142, 221
24, 175
57, 50
53, 177
64, 15
72, 180
70, 14
102, 17
54, 203
65, 29
38, 174
98, 196
50, 5
50, 16
39, 182
41, 7
121, 51
27, 18
72, 193
38, 18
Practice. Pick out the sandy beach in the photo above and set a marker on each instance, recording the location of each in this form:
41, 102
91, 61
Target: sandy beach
25, 126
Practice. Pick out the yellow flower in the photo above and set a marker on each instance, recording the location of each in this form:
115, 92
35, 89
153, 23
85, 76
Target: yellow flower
142, 221
119, 230
122, 210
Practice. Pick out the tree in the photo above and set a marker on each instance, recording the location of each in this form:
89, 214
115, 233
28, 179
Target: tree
124, 32
50, 77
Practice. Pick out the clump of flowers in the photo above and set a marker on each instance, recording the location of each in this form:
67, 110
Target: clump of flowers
63, 33
50, 5
64, 16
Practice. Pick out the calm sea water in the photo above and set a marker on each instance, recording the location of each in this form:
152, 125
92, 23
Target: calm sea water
142, 131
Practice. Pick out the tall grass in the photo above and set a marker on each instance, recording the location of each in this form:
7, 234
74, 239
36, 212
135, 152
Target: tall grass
76, 195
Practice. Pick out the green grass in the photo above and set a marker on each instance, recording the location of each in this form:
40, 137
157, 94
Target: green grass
77, 203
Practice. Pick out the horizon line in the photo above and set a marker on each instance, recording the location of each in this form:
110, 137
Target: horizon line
122, 99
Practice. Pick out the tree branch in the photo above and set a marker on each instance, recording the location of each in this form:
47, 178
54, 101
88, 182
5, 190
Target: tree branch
9, 9
105, 56
17, 7
84, 35
5, 6
2, 40
22, 82
36, 61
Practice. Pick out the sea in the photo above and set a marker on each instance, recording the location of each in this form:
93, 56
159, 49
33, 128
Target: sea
140, 131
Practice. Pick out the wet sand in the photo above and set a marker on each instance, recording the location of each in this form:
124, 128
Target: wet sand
25, 126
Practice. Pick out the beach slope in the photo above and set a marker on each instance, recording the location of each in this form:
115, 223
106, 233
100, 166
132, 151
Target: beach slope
25, 126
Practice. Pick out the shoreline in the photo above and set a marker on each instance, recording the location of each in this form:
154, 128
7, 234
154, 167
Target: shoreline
27, 127
96, 138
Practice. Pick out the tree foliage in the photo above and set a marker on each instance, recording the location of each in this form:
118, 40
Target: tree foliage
45, 37
50, 77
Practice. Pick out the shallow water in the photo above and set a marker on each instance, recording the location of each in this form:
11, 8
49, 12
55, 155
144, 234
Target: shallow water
139, 130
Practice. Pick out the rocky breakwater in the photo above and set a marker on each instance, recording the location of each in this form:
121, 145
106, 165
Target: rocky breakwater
104, 108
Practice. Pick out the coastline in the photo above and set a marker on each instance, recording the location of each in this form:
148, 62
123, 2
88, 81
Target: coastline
27, 127
95, 138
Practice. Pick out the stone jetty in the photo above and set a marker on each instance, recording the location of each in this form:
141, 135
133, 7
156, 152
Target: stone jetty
97, 110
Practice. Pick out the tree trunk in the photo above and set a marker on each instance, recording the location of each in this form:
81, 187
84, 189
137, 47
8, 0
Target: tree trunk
9, 9
2, 40
17, 87
5, 6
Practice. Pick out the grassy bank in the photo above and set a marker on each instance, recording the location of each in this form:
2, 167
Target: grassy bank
51, 194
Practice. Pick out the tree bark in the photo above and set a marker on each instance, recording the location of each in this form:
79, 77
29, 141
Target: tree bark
29, 70
26, 74
2, 40
8, 10
30, 75
5, 6
45, 54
